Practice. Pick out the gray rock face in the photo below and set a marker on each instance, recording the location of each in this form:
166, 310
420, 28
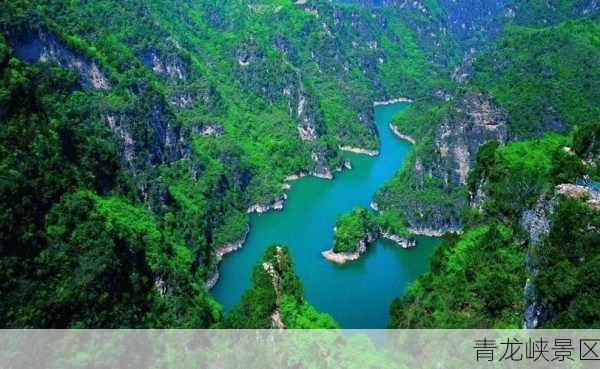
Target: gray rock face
211, 129
403, 242
162, 142
536, 221
321, 170
168, 65
534, 315
263, 208
472, 121
44, 47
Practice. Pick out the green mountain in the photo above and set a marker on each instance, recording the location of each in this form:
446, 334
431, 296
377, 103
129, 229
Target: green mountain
137, 136
528, 252
530, 82
191, 115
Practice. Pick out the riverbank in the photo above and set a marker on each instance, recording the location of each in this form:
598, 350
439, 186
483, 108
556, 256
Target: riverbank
220, 252
304, 226
392, 101
399, 134
430, 232
279, 203
359, 150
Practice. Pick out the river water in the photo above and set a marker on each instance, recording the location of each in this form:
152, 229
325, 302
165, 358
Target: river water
357, 294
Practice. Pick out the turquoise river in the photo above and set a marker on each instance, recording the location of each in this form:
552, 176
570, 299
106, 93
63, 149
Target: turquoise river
357, 294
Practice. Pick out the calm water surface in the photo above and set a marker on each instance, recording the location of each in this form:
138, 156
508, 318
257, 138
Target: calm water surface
357, 294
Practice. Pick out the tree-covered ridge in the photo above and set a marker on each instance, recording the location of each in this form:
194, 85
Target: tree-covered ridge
80, 258
507, 260
529, 82
187, 116
276, 298
544, 78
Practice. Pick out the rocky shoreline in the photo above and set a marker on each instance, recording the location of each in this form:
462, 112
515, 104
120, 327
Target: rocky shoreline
220, 252
430, 232
402, 136
343, 257
340, 258
263, 208
279, 203
403, 242
359, 150
392, 101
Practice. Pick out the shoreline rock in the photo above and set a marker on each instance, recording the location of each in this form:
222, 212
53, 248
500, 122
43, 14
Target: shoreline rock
220, 252
392, 101
402, 136
430, 232
294, 177
359, 150
403, 242
212, 279
340, 258
343, 257
325, 174
263, 208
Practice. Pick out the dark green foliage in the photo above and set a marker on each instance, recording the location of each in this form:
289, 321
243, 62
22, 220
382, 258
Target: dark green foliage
475, 282
275, 287
392, 222
520, 174
544, 78
586, 140
353, 228
486, 159
71, 258
112, 201
586, 143
567, 167
569, 265
477, 278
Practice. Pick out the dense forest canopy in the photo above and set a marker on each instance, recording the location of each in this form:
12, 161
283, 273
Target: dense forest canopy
135, 137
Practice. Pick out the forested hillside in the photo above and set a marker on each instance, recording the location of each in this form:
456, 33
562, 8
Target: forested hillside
528, 211
531, 82
164, 131
529, 251
137, 136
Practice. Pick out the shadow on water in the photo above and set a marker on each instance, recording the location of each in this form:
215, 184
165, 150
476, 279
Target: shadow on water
357, 294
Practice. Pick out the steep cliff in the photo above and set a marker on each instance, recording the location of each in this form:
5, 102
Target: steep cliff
442, 164
527, 249
500, 103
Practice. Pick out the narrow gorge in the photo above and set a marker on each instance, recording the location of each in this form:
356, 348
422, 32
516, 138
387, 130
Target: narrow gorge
305, 225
